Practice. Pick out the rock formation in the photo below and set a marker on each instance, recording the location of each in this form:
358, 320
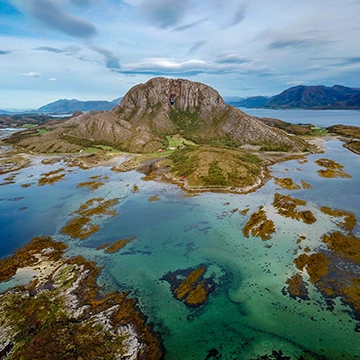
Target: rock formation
160, 107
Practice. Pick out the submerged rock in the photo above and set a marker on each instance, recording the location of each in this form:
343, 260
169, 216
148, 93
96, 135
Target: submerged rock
190, 286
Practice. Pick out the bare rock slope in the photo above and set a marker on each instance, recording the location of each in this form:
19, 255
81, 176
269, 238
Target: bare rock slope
160, 107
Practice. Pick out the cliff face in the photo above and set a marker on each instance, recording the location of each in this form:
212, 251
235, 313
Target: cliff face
160, 107
150, 105
166, 106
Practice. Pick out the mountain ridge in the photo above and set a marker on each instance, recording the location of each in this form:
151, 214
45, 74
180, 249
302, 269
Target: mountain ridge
297, 97
314, 97
70, 106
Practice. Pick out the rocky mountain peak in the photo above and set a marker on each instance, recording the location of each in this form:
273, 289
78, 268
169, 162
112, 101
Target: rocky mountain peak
171, 93
149, 112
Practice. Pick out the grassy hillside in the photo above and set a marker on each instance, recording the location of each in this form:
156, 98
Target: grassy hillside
209, 167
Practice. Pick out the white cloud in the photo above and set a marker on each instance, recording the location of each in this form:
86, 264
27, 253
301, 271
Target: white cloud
30, 74
163, 66
260, 46
296, 82
53, 79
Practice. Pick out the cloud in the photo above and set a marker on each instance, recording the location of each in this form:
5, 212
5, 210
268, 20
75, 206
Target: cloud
4, 52
296, 82
239, 15
84, 59
30, 74
232, 59
296, 44
352, 60
191, 25
165, 13
69, 50
196, 46
163, 66
54, 17
111, 61
49, 49
242, 88
53, 79
171, 66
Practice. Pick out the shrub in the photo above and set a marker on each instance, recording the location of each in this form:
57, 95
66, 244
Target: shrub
214, 176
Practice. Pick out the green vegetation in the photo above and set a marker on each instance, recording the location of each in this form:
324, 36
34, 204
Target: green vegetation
105, 147
98, 148
224, 142
184, 163
186, 167
40, 132
155, 155
214, 176
153, 109
132, 114
178, 141
92, 150
28, 126
205, 166
186, 122
318, 130
92, 144
249, 158
273, 148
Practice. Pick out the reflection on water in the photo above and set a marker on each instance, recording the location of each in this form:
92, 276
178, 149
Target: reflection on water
248, 315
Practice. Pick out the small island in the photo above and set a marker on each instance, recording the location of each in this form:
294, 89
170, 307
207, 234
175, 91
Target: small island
190, 285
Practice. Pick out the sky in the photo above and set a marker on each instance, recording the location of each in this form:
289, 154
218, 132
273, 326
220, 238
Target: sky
99, 49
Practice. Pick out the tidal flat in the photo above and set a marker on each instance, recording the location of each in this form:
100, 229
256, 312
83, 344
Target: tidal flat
295, 294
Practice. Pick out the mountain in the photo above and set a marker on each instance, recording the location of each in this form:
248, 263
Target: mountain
251, 102
305, 97
149, 112
316, 97
70, 106
116, 101
232, 99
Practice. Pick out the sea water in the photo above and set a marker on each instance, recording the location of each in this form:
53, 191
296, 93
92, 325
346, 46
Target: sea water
247, 315
322, 118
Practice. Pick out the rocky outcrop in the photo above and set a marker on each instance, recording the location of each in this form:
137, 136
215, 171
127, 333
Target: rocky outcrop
62, 313
160, 107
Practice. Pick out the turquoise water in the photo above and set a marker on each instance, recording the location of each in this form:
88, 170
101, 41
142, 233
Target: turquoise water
247, 315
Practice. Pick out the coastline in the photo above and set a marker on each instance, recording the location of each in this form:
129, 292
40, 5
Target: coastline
120, 159
122, 162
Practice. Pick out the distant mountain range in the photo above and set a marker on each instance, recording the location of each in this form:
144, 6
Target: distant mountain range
70, 106
306, 97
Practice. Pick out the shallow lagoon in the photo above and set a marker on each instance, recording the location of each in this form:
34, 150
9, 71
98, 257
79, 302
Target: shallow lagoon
247, 315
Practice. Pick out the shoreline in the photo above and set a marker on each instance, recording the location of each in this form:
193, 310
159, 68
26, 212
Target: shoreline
67, 287
123, 162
